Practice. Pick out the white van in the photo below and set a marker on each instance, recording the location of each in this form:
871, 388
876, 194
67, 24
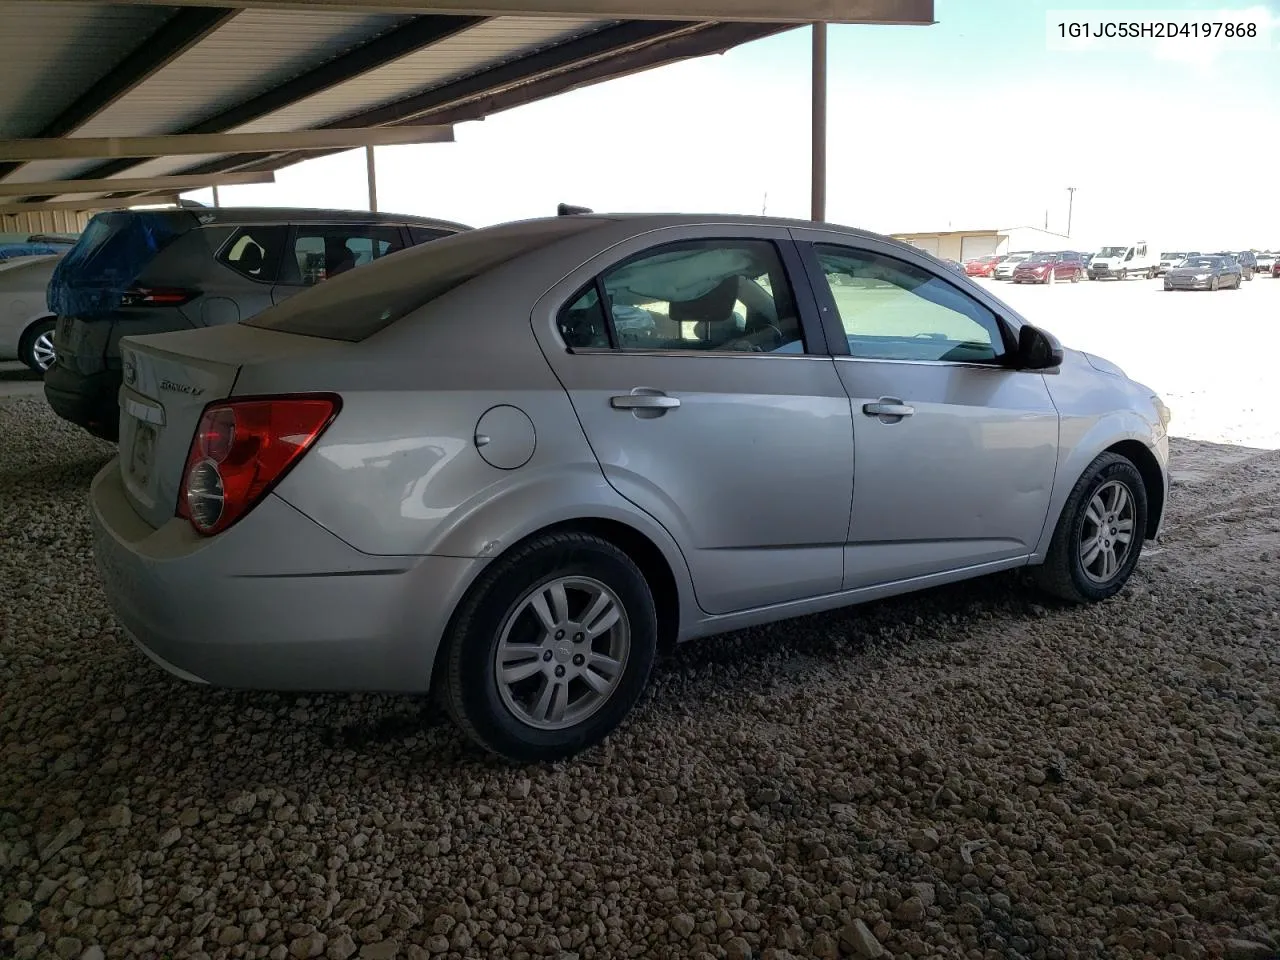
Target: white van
1133, 260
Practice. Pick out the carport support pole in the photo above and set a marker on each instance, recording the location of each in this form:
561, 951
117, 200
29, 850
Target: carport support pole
818, 175
216, 203
372, 170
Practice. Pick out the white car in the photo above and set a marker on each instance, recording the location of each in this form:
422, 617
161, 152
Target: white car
1004, 269
26, 323
1266, 261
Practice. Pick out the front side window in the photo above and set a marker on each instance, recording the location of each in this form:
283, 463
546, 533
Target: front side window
255, 251
893, 310
704, 295
322, 251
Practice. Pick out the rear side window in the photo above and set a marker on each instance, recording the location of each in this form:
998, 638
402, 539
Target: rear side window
358, 305
255, 251
427, 234
324, 251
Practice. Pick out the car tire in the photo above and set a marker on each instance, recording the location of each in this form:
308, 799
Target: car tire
35, 349
1075, 277
1069, 570
515, 598
1123, 275
1213, 284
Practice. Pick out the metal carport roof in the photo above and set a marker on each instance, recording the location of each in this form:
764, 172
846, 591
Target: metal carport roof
86, 87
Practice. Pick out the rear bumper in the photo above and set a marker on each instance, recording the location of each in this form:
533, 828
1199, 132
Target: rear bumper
87, 400
274, 603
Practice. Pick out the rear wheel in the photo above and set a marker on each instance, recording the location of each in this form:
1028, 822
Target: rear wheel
551, 649
36, 347
1099, 536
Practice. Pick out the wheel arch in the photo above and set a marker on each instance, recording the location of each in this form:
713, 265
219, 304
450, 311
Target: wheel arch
643, 551
1148, 466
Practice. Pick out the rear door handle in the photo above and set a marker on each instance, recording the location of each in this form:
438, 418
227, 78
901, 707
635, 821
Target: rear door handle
888, 407
644, 401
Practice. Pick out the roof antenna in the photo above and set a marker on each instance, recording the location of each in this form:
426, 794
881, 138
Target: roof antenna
569, 210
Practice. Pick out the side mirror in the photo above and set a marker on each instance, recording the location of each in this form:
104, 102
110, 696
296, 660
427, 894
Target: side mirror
1037, 350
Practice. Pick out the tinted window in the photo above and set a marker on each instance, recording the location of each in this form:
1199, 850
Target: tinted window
721, 295
582, 322
358, 305
426, 234
255, 251
322, 252
893, 310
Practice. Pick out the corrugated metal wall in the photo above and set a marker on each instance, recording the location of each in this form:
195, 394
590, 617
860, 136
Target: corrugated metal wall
45, 221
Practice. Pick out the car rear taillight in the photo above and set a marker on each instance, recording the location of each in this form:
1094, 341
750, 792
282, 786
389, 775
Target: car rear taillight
243, 448
156, 297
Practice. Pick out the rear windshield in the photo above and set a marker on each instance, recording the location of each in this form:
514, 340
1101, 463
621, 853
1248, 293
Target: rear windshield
114, 248
359, 303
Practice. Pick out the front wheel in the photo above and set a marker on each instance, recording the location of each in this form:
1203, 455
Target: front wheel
1124, 275
1075, 277
36, 347
1213, 284
551, 649
1099, 536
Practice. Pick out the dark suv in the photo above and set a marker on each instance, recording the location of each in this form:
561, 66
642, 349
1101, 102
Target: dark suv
1247, 260
137, 272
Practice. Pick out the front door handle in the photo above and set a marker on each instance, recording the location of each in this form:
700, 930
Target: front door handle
644, 401
888, 407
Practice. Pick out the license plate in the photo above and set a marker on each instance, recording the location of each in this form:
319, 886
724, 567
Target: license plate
142, 457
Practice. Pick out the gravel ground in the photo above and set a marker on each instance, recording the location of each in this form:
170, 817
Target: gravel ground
974, 772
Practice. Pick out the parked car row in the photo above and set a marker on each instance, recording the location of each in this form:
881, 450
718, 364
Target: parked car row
1028, 266
1112, 263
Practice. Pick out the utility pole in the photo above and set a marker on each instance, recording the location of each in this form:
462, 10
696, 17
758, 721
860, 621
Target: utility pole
764, 205
1071, 199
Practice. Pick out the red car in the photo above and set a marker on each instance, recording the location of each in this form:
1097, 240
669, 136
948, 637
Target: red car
981, 266
1050, 267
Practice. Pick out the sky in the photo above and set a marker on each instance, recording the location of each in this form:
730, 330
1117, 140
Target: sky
980, 121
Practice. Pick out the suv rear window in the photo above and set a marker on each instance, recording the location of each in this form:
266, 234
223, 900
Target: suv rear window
114, 248
358, 304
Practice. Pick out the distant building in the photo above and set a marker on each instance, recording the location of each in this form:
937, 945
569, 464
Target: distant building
967, 244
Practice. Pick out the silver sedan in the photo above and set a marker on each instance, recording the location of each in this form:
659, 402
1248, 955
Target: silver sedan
514, 465
26, 323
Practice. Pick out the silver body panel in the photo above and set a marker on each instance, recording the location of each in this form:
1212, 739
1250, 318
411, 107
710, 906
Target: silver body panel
767, 491
23, 282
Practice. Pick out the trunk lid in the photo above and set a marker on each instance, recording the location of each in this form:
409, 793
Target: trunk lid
169, 379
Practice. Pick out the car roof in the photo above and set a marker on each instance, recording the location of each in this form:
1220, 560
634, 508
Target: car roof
642, 222
236, 215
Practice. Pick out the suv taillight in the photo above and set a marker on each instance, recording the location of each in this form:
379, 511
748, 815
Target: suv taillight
243, 448
156, 297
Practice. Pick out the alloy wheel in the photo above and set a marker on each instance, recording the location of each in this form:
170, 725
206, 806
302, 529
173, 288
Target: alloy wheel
1106, 536
42, 351
562, 652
